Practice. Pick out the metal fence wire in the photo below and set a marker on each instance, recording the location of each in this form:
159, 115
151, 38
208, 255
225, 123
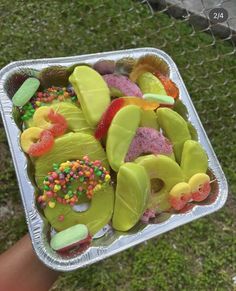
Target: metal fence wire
205, 54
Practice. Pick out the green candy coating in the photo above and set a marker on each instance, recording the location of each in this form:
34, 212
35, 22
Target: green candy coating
181, 109
74, 117
69, 236
163, 99
92, 92
95, 217
165, 169
132, 192
194, 159
25, 92
121, 133
71, 146
149, 119
114, 92
148, 83
175, 128
192, 131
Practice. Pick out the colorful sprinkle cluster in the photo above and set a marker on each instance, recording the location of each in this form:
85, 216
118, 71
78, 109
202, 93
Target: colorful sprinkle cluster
50, 94
91, 176
47, 96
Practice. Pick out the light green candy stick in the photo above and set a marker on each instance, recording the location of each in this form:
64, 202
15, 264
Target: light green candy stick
69, 236
120, 134
25, 92
163, 99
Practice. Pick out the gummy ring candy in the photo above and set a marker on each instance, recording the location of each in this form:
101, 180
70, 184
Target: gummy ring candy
123, 84
180, 195
200, 186
148, 140
91, 176
47, 118
36, 141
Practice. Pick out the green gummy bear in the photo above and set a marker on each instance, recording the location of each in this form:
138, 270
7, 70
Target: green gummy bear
168, 171
71, 146
92, 92
132, 192
175, 128
121, 133
95, 217
148, 83
149, 119
194, 159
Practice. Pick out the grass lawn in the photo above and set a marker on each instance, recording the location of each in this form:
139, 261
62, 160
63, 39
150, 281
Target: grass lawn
197, 256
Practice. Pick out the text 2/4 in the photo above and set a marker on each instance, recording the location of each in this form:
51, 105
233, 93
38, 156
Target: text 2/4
218, 15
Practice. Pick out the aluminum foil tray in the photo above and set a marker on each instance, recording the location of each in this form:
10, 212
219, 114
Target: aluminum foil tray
113, 241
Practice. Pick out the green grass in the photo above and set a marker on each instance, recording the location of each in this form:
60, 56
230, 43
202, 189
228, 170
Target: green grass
197, 256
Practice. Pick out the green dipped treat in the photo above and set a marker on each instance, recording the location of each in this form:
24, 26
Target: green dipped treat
71, 146
121, 133
149, 119
148, 83
74, 117
192, 131
175, 128
69, 237
114, 92
194, 159
92, 92
95, 217
25, 92
132, 192
165, 169
181, 109
162, 99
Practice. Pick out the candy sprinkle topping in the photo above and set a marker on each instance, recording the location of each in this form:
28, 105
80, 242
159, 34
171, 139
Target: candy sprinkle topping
90, 175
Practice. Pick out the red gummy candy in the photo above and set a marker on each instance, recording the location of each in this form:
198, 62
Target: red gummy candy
59, 124
186, 208
170, 87
107, 117
76, 248
202, 192
179, 202
43, 145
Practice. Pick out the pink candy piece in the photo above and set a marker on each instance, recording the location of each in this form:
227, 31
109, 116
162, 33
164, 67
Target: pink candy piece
148, 141
61, 217
149, 213
123, 84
